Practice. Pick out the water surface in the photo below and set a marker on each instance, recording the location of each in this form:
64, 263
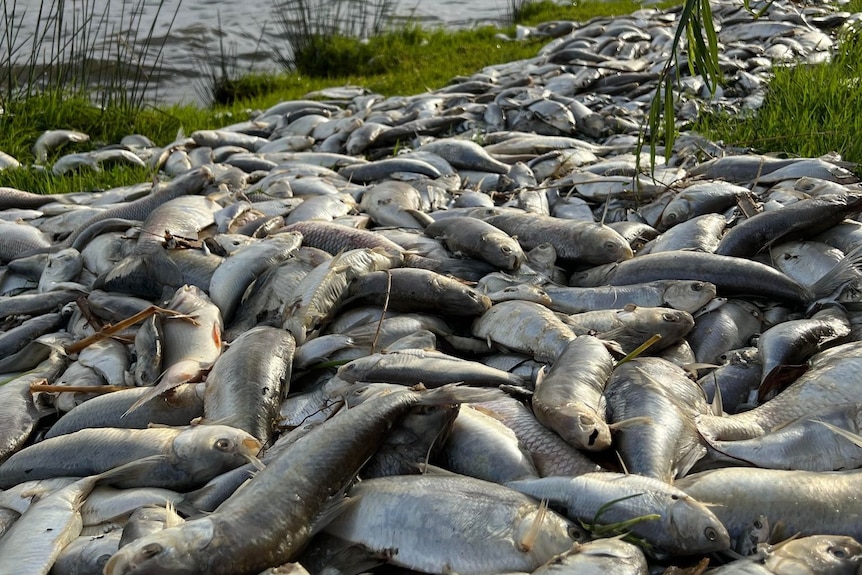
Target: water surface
196, 32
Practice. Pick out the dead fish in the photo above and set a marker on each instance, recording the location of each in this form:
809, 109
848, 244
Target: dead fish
192, 455
248, 381
830, 380
190, 346
570, 400
597, 557
257, 528
476, 238
661, 402
585, 242
50, 140
521, 536
805, 555
480, 446
431, 368
418, 290
524, 326
319, 293
808, 217
804, 502
684, 295
683, 525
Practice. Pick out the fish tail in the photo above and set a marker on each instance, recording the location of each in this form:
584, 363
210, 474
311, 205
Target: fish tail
843, 272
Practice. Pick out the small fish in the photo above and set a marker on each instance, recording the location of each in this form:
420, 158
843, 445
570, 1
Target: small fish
50, 140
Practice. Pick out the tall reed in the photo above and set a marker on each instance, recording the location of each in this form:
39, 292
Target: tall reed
81, 47
312, 28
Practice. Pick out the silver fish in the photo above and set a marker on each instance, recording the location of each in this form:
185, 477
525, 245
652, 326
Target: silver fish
193, 455
268, 522
514, 534
570, 400
683, 526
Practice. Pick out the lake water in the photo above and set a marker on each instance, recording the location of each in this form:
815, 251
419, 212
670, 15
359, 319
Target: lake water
248, 30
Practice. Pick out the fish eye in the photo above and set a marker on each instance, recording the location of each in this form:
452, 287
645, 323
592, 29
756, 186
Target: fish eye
575, 533
838, 552
668, 317
697, 286
506, 250
675, 497
671, 217
609, 245
710, 534
757, 524
151, 550
222, 444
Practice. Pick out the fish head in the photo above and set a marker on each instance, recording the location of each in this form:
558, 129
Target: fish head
694, 528
204, 451
830, 554
543, 255
592, 277
173, 551
523, 292
607, 246
689, 296
675, 324
579, 425
609, 552
678, 210
64, 265
498, 249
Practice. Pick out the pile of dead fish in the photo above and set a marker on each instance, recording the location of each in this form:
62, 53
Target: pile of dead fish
472, 301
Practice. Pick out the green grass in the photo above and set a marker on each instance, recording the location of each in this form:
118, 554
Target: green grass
809, 110
406, 61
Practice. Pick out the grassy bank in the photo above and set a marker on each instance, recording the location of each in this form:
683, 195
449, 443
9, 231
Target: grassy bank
797, 117
809, 110
405, 61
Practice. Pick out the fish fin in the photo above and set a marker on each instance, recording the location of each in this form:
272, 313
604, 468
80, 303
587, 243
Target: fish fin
331, 510
517, 391
132, 470
854, 438
171, 518
712, 447
421, 217
692, 454
778, 378
179, 373
693, 368
258, 464
541, 373
457, 393
526, 543
355, 559
622, 463
843, 272
717, 405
